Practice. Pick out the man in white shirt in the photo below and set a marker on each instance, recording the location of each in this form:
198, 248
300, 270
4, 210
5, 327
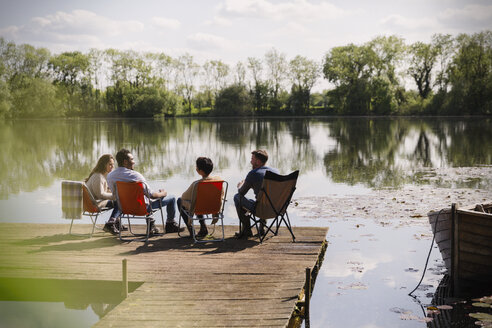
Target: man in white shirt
125, 172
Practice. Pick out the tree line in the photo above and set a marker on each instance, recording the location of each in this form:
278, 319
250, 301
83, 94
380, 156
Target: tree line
385, 76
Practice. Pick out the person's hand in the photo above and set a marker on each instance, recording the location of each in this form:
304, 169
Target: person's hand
240, 184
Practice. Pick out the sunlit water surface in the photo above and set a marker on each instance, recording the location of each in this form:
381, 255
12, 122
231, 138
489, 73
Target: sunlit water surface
369, 268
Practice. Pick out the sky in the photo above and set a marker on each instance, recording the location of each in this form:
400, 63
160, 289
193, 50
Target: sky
233, 30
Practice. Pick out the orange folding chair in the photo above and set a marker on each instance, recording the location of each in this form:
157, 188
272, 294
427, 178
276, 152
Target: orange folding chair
77, 201
131, 200
207, 204
90, 207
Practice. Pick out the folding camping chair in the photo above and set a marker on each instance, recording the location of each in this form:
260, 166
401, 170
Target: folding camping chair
209, 197
90, 207
131, 200
272, 202
77, 201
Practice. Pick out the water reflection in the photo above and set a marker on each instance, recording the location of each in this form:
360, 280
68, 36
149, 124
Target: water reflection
51, 302
378, 152
389, 153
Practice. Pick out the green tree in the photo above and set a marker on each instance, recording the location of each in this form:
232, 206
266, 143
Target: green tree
349, 68
36, 99
387, 53
188, 72
303, 74
471, 74
216, 74
70, 70
277, 73
260, 89
233, 100
422, 59
443, 44
5, 102
239, 73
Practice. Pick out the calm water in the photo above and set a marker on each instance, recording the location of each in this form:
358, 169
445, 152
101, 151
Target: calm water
368, 270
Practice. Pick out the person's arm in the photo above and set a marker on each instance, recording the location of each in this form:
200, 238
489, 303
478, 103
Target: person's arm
106, 193
100, 188
158, 194
245, 185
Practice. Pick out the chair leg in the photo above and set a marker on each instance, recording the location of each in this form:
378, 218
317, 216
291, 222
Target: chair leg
145, 237
290, 227
162, 218
179, 224
287, 224
222, 222
71, 224
147, 221
93, 222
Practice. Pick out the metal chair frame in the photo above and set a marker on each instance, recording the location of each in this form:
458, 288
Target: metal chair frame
90, 208
194, 216
148, 216
280, 214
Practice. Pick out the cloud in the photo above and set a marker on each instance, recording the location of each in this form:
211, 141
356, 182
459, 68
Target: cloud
166, 23
469, 12
409, 24
218, 21
10, 32
291, 29
80, 22
287, 10
77, 27
204, 41
358, 265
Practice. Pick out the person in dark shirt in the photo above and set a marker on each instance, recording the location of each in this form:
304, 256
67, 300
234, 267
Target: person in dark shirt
253, 180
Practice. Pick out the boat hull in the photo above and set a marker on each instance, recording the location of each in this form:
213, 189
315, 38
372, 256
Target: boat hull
464, 238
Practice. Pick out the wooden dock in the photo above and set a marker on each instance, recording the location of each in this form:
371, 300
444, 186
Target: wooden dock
235, 283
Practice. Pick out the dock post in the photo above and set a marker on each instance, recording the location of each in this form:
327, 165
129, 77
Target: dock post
307, 297
125, 278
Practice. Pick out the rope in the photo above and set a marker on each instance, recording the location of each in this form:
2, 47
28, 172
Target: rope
428, 255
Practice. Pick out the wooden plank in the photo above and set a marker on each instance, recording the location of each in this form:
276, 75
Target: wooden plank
235, 283
478, 241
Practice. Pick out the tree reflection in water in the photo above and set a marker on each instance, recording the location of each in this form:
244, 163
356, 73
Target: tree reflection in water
375, 152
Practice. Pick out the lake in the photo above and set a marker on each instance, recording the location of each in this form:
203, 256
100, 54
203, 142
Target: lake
368, 269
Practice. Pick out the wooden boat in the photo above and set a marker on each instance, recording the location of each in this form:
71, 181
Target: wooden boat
464, 238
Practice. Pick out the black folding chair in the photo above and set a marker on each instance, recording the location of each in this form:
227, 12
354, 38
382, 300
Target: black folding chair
272, 201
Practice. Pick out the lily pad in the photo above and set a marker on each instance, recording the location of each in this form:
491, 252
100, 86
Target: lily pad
483, 305
481, 316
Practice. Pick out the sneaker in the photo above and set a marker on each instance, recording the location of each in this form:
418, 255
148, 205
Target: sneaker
215, 218
107, 227
202, 233
188, 226
111, 228
153, 229
243, 234
117, 224
173, 227
262, 230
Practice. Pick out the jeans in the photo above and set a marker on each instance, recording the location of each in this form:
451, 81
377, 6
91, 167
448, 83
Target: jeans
183, 214
116, 211
168, 203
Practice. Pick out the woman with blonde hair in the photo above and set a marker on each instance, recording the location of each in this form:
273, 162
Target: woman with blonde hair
98, 186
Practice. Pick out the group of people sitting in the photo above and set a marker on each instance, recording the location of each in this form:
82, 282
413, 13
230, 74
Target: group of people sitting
102, 184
